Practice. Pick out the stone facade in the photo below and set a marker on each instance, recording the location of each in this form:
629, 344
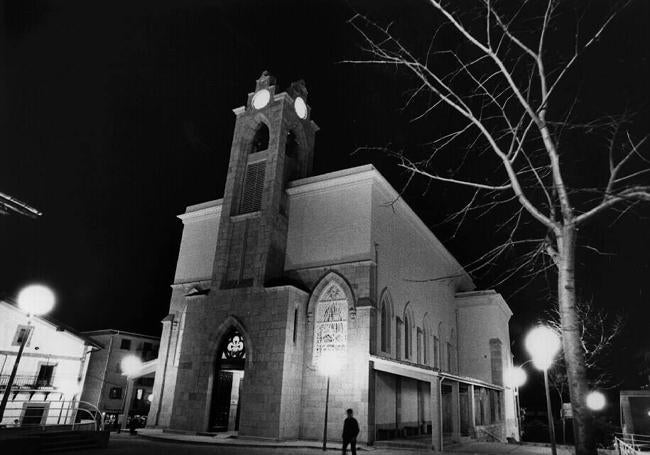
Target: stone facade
302, 266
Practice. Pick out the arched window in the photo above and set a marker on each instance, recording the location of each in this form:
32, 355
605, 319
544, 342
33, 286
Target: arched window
426, 343
261, 139
407, 337
384, 328
291, 149
331, 322
425, 346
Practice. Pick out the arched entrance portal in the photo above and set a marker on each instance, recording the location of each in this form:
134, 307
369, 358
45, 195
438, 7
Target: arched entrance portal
228, 382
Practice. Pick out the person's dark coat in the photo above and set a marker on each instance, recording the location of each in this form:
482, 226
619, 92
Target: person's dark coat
350, 428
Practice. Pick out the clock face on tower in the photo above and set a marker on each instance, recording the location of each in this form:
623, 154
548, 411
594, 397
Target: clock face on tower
300, 107
261, 99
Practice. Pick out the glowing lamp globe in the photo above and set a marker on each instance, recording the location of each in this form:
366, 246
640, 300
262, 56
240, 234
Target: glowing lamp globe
516, 377
595, 400
36, 299
150, 397
130, 365
329, 363
542, 343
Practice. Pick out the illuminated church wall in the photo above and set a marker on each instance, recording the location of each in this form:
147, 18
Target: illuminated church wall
304, 265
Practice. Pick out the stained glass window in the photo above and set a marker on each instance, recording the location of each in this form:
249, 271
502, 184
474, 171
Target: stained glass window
331, 323
233, 348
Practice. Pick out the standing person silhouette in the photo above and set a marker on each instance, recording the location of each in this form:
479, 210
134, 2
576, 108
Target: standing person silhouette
350, 432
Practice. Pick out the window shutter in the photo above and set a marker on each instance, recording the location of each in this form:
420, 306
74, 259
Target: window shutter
251, 199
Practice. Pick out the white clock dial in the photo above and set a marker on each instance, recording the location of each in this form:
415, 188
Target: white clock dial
261, 99
300, 107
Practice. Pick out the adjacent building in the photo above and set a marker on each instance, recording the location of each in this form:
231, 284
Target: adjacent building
106, 383
51, 372
292, 277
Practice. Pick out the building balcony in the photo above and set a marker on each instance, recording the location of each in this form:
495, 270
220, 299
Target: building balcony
26, 382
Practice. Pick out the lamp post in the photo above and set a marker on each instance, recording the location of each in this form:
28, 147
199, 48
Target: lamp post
130, 366
542, 343
328, 364
35, 300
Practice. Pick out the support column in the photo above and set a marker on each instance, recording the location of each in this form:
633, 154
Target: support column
398, 404
455, 411
472, 409
372, 396
436, 421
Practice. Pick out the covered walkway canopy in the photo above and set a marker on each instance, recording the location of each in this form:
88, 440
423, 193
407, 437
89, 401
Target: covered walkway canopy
461, 414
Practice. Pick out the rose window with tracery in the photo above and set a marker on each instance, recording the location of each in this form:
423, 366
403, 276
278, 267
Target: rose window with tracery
233, 351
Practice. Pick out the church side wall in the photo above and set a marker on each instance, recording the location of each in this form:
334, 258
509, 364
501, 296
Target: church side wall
329, 226
403, 254
482, 318
198, 244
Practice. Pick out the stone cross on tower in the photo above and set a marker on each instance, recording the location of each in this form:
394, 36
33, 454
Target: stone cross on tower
273, 143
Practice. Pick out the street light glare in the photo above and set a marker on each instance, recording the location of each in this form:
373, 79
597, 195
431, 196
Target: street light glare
542, 343
36, 299
595, 400
516, 377
130, 365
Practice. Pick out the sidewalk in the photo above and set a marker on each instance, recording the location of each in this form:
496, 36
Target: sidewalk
228, 439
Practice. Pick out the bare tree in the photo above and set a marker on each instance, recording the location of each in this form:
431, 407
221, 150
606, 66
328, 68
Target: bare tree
11, 204
598, 334
504, 85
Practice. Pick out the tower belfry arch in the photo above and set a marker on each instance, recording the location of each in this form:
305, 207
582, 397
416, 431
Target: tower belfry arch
272, 144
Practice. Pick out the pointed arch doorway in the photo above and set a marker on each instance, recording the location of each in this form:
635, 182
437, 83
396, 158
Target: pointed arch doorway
228, 383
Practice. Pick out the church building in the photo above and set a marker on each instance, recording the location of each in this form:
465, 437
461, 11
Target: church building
294, 278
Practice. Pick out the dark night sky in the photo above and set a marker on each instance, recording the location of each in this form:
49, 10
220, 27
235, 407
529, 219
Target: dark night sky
116, 115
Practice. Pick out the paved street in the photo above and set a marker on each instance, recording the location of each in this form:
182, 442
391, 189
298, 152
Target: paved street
124, 444
132, 445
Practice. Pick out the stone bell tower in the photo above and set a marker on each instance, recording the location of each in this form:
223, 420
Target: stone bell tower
273, 143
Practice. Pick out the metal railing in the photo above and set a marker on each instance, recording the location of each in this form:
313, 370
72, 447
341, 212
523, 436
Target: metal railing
53, 416
631, 444
25, 381
488, 433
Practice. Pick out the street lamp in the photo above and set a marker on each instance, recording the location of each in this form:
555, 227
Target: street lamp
516, 377
595, 400
35, 300
130, 365
328, 364
542, 343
